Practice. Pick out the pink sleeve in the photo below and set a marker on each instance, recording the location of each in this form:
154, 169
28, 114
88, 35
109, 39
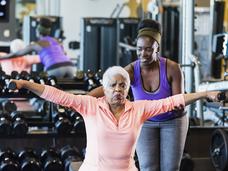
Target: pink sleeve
32, 59
81, 103
156, 107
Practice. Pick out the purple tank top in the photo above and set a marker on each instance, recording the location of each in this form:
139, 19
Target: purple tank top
164, 90
52, 54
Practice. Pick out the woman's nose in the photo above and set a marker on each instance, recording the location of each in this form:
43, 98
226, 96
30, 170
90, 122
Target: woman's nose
117, 88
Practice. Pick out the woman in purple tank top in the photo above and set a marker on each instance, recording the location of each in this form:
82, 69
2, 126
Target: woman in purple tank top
161, 142
50, 51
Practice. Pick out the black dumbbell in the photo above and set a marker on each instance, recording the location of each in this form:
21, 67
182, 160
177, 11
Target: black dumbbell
68, 155
51, 80
51, 160
63, 124
77, 120
98, 77
24, 75
12, 85
19, 126
89, 80
5, 124
9, 106
8, 161
5, 79
14, 75
40, 105
29, 161
222, 96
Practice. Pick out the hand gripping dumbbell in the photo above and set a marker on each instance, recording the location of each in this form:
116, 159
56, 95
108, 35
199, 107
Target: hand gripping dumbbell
8, 161
51, 160
19, 126
68, 155
29, 161
222, 96
62, 123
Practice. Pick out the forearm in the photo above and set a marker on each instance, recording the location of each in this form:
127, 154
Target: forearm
33, 87
8, 56
192, 97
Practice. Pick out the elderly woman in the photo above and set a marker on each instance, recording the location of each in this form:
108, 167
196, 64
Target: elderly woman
112, 122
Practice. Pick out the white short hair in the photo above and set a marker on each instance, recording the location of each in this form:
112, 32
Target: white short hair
113, 71
16, 45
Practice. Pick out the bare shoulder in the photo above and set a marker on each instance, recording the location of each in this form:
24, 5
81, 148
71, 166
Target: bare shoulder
172, 66
130, 69
173, 71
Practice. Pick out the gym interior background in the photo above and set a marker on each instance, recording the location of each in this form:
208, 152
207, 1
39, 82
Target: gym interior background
195, 34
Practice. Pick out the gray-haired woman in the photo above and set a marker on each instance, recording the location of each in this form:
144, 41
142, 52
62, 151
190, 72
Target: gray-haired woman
112, 122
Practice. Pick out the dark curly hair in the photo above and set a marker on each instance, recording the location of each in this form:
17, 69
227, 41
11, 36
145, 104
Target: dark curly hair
45, 22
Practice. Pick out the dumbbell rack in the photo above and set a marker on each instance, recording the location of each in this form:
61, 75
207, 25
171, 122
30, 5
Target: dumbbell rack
44, 138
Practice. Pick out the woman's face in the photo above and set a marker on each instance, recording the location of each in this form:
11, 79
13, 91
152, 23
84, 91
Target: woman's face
147, 49
117, 90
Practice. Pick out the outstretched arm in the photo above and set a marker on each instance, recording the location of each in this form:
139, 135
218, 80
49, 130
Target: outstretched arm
26, 50
33, 87
155, 107
192, 97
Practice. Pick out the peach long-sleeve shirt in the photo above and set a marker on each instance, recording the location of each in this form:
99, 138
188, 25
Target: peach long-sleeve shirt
111, 143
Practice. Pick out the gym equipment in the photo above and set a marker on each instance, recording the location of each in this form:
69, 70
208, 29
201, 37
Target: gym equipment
79, 125
98, 77
51, 160
89, 80
51, 80
219, 149
8, 106
8, 161
29, 161
19, 126
68, 155
187, 163
62, 123
5, 124
98, 43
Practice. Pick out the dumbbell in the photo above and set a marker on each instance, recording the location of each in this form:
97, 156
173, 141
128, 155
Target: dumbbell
14, 75
8, 106
8, 161
29, 161
68, 155
51, 160
98, 77
24, 75
222, 96
89, 80
77, 120
19, 126
5, 79
40, 105
62, 123
79, 75
51, 80
5, 124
